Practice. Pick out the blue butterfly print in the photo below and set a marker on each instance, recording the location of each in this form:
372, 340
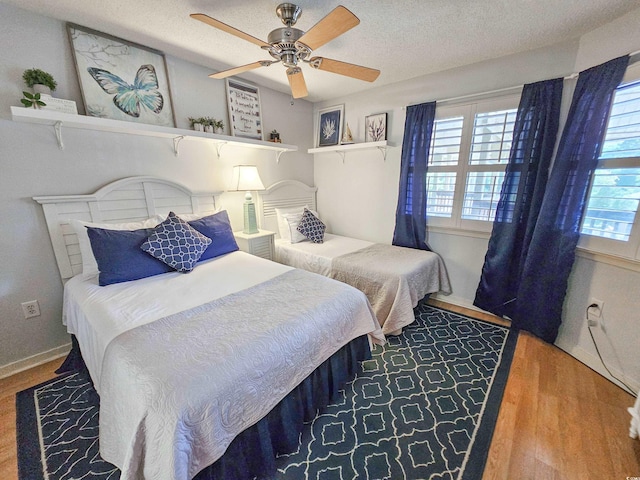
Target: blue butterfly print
128, 98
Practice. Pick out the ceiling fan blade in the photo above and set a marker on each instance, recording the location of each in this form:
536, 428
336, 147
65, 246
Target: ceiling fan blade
343, 68
229, 29
243, 68
297, 83
338, 21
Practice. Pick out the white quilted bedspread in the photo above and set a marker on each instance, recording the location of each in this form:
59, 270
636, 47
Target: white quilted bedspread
394, 278
175, 392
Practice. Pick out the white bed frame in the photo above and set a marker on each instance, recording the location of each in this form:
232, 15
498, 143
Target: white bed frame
128, 200
283, 194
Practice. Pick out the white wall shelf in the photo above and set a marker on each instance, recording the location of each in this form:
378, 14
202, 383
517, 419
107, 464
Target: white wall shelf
59, 120
343, 149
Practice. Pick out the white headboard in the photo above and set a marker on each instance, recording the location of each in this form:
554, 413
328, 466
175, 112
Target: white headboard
283, 194
127, 200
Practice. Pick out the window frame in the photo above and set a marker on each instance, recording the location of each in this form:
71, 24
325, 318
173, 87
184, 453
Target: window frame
629, 250
468, 110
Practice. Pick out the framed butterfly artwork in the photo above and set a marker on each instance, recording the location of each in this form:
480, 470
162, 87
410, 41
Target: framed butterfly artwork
121, 80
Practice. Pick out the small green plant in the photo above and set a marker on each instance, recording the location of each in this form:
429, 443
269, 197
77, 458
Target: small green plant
33, 76
205, 122
32, 100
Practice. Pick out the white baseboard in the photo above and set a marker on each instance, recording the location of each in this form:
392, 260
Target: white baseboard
457, 301
34, 361
594, 363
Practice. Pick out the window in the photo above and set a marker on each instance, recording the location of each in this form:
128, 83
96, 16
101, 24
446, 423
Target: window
469, 154
610, 221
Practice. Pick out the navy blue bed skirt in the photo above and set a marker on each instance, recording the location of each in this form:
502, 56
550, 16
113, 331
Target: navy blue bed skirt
253, 453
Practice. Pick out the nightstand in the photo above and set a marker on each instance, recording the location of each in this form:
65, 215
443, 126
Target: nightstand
261, 244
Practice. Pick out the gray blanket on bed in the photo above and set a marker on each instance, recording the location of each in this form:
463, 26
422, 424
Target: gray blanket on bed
394, 280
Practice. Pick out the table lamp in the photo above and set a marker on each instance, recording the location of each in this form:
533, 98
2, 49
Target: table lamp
246, 178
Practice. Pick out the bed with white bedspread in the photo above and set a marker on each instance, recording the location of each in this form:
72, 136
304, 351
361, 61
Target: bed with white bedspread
186, 363
394, 278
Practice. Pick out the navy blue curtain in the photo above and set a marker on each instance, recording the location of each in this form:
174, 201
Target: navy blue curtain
411, 213
534, 137
551, 253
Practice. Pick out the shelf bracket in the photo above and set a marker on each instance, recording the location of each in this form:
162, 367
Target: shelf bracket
58, 130
279, 154
176, 144
383, 150
342, 153
219, 146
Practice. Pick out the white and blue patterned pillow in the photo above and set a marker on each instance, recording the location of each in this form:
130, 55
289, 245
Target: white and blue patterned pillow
311, 227
176, 243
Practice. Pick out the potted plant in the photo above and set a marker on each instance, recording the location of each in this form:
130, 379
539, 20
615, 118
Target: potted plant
274, 136
208, 124
196, 124
32, 100
218, 126
41, 81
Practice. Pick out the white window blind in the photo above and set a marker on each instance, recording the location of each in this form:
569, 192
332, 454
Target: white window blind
469, 152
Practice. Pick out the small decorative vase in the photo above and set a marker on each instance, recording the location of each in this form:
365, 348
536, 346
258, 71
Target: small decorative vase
41, 89
219, 131
198, 127
208, 128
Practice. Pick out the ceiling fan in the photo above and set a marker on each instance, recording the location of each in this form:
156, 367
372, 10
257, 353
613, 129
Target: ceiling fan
293, 47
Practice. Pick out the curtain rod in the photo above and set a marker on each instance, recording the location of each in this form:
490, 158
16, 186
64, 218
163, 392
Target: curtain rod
506, 89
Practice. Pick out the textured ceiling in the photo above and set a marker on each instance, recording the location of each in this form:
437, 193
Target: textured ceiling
401, 38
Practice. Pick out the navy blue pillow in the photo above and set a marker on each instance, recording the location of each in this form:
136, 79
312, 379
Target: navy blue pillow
218, 228
120, 258
311, 227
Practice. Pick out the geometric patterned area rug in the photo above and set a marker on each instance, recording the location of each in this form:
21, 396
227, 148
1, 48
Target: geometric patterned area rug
424, 407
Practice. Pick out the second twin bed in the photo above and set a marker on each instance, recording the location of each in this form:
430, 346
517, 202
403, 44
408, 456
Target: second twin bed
394, 278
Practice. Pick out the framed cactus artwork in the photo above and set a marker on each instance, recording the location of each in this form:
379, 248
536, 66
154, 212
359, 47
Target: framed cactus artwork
329, 126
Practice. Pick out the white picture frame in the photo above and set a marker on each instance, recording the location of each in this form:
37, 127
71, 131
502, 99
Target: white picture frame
243, 102
329, 126
375, 127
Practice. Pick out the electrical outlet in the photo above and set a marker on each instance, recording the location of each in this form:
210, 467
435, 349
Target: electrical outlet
31, 309
595, 311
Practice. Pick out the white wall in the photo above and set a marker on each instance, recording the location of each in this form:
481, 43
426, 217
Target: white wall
358, 198
32, 165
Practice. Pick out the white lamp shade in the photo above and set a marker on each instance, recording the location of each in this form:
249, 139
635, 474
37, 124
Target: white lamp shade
245, 177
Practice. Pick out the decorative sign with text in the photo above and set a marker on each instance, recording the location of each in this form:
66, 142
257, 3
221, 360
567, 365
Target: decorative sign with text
243, 101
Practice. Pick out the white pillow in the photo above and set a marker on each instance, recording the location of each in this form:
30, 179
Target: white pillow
293, 219
283, 224
89, 265
189, 217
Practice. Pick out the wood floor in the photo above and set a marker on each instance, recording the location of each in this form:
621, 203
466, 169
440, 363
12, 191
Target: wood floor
558, 418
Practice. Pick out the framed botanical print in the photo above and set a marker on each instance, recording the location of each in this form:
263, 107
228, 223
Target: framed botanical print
375, 127
243, 101
329, 126
121, 80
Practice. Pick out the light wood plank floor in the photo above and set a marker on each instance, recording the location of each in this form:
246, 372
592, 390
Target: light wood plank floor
558, 418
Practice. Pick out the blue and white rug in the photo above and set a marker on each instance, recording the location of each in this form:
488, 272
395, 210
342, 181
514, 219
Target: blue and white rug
424, 407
